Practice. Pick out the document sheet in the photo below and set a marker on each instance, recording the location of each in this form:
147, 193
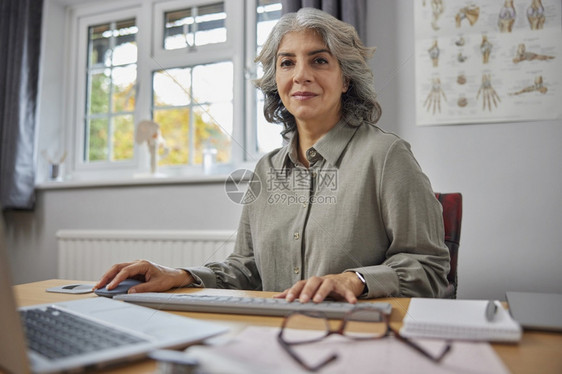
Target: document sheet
257, 349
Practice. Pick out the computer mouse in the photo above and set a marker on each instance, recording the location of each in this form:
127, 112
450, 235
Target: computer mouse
121, 288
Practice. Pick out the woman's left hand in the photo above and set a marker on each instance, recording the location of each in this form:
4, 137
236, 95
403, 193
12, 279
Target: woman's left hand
345, 286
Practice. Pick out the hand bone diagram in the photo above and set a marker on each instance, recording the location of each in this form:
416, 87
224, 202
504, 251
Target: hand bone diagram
507, 16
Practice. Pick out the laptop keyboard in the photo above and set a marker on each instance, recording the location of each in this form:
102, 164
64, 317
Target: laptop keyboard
54, 333
245, 305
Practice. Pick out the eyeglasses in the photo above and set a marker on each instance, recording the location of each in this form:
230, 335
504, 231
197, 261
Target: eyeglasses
308, 327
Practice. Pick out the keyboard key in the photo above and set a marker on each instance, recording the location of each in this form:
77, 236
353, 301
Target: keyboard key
55, 333
244, 305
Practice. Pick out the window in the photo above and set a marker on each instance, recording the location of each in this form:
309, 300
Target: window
193, 113
111, 75
195, 26
185, 64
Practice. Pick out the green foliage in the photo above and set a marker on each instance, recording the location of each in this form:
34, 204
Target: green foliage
174, 125
99, 93
123, 138
98, 140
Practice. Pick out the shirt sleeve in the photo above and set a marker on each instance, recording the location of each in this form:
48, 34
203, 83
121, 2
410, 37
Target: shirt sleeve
239, 270
417, 260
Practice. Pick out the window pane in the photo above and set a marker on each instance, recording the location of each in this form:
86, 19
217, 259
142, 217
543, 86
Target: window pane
177, 26
210, 24
213, 82
100, 52
174, 126
171, 87
97, 143
124, 80
208, 133
268, 134
125, 51
269, 12
99, 91
191, 123
123, 135
220, 114
195, 26
111, 91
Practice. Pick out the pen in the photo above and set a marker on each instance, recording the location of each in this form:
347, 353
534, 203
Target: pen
491, 310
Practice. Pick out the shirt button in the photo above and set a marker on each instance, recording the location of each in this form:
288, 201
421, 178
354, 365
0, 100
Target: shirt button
296, 270
296, 235
312, 153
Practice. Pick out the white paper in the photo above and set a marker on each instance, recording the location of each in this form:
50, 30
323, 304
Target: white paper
256, 350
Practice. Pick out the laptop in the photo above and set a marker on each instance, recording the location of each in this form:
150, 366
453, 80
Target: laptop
536, 311
150, 330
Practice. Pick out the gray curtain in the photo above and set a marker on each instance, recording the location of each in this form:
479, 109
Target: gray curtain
350, 11
20, 39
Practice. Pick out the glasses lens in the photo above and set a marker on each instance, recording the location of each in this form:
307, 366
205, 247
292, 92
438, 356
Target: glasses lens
300, 328
365, 324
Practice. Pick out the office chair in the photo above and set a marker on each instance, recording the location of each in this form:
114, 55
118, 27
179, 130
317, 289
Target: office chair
452, 217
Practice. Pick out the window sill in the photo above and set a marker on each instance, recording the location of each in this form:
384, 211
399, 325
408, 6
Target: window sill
141, 180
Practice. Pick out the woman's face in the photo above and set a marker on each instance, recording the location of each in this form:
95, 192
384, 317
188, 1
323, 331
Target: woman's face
309, 79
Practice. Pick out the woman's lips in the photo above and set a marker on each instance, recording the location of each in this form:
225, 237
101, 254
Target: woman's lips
299, 95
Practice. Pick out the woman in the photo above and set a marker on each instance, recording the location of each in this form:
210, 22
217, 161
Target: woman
346, 211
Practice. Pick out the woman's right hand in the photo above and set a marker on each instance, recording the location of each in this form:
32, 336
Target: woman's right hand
156, 277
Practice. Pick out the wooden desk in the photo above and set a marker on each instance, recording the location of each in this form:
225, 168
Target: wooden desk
538, 352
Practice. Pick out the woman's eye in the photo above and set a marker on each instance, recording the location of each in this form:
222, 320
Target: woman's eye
285, 63
321, 60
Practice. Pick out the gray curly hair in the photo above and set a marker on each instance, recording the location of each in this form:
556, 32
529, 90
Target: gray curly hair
359, 103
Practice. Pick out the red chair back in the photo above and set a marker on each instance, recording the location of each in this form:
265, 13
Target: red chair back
452, 217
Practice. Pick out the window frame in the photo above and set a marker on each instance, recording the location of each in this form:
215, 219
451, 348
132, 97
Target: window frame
78, 128
239, 48
160, 9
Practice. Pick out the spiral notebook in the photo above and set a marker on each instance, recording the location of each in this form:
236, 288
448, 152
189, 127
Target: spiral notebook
459, 320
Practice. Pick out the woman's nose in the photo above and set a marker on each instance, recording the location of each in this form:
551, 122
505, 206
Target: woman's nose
302, 74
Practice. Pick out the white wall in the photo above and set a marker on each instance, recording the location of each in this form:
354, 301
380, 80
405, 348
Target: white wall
31, 235
509, 173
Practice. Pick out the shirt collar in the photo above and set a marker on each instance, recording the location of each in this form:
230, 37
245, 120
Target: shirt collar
330, 146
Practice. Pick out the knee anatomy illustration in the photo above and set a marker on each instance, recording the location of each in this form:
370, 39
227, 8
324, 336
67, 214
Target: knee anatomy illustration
471, 13
523, 55
488, 92
507, 16
538, 86
535, 15
434, 53
433, 99
486, 49
437, 9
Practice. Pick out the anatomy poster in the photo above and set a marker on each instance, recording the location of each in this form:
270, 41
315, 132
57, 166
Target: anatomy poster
488, 61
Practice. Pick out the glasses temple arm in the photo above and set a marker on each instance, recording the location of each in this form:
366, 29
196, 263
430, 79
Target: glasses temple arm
419, 348
287, 347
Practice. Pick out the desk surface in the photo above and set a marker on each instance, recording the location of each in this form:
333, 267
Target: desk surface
537, 352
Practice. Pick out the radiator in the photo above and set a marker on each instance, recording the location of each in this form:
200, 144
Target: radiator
87, 254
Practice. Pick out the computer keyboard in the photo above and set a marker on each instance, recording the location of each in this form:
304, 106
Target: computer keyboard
245, 305
54, 333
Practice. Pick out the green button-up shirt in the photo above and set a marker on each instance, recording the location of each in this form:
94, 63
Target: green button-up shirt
363, 205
